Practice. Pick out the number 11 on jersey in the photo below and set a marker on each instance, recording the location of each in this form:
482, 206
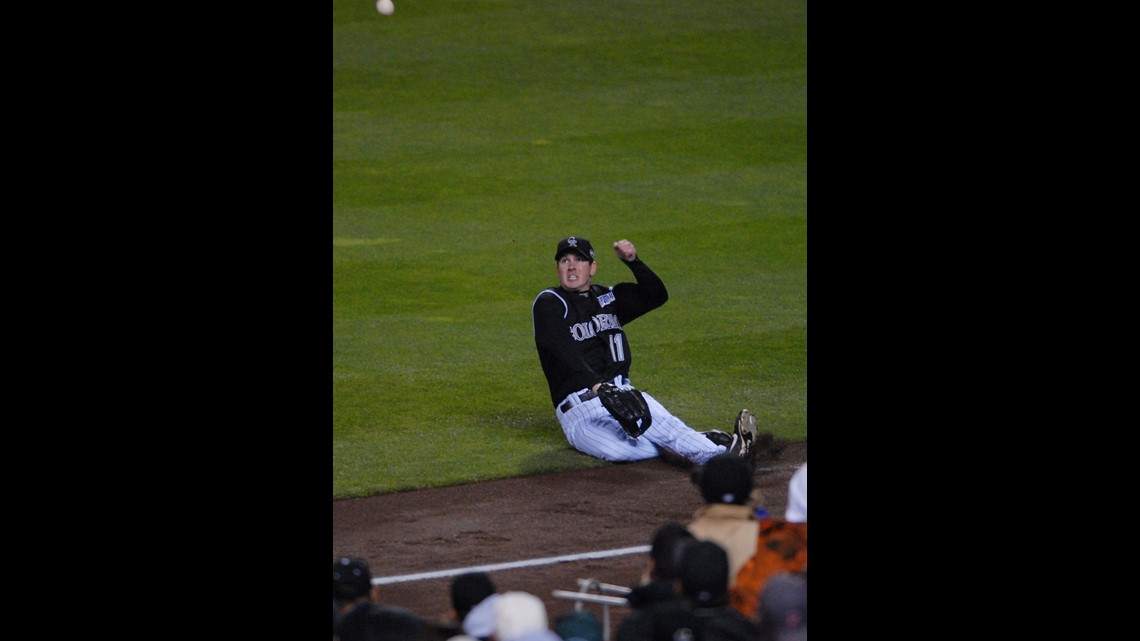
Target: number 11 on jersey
617, 350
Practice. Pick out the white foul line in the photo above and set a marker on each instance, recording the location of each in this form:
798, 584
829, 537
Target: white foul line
510, 566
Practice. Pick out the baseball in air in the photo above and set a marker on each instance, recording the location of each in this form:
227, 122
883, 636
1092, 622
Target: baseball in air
385, 7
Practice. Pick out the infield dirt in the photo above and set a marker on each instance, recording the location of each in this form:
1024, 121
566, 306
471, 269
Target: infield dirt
535, 517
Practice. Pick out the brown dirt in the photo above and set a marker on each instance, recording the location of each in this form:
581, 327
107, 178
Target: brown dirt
495, 522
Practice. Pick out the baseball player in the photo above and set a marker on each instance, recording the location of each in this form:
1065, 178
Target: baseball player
581, 341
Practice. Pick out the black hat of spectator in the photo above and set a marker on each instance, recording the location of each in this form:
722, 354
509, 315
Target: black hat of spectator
704, 573
351, 578
725, 478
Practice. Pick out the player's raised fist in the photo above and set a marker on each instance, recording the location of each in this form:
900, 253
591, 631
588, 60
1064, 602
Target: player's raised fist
625, 250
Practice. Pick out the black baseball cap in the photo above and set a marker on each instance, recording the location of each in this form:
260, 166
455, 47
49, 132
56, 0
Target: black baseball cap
352, 578
725, 478
576, 244
704, 572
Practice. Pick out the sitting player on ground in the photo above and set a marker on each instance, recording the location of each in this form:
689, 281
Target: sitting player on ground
579, 330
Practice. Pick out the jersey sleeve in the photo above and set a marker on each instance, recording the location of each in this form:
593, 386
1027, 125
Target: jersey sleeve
637, 299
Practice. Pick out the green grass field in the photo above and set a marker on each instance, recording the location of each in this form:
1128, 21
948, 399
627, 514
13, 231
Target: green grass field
469, 137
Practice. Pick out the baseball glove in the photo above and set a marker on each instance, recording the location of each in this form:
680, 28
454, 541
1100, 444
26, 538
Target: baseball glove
628, 406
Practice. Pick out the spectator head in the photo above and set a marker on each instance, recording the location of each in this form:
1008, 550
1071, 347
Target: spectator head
665, 552
468, 590
783, 607
374, 622
704, 574
352, 579
521, 616
725, 478
580, 625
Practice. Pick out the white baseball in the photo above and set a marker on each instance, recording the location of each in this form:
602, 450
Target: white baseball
385, 7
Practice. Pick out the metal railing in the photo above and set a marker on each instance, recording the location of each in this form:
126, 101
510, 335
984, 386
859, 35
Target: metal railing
593, 591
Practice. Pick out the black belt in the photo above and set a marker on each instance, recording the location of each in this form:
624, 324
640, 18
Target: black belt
584, 396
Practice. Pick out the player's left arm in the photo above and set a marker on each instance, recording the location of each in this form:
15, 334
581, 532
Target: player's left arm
648, 293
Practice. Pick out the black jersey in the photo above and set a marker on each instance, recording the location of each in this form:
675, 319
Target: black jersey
580, 336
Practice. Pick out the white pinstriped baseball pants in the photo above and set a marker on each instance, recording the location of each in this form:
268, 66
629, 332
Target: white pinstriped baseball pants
590, 429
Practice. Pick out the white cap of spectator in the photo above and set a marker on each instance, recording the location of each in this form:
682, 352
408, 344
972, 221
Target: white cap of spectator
521, 616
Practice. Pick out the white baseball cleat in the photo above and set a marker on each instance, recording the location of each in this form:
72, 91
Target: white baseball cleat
744, 434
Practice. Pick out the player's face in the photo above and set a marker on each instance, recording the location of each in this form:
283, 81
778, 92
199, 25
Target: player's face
575, 272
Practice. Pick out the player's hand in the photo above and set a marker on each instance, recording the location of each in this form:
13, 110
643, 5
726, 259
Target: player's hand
625, 250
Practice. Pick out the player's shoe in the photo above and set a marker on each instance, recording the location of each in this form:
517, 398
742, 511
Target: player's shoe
719, 437
737, 446
744, 434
